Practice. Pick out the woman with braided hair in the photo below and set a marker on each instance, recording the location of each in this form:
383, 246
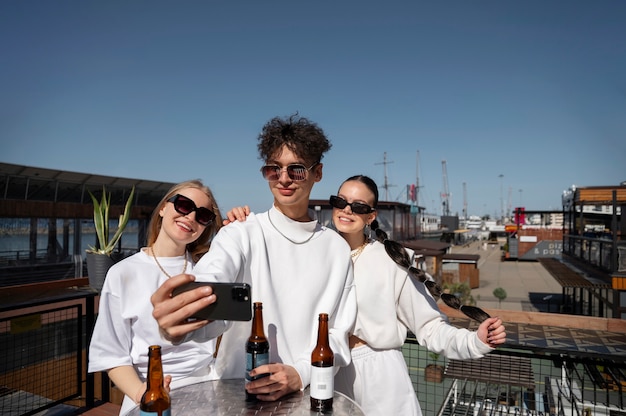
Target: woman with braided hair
393, 297
399, 254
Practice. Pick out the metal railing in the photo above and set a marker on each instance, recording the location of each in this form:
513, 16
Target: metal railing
41, 359
563, 384
602, 253
41, 365
44, 333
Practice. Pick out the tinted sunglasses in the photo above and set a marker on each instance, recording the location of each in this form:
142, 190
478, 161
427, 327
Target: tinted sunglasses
186, 206
356, 207
296, 171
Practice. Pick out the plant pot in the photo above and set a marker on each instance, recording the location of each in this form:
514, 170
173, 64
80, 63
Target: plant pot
433, 373
97, 267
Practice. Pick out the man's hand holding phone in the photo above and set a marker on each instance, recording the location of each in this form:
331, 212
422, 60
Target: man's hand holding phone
234, 301
173, 312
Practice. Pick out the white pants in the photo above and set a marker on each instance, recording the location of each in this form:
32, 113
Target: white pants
378, 380
203, 374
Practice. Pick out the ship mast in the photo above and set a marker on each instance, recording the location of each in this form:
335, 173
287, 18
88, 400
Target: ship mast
417, 180
445, 196
386, 185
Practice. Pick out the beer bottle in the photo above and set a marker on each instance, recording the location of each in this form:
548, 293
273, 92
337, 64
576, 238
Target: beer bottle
322, 373
257, 347
156, 400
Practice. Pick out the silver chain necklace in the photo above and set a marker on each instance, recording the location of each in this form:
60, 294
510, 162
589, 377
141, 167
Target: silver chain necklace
269, 216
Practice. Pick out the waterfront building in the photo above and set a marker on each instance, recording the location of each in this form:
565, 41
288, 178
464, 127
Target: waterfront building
46, 220
594, 242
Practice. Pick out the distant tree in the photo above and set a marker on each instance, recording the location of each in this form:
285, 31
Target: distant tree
500, 294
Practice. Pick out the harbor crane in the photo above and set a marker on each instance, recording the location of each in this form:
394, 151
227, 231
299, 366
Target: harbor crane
445, 196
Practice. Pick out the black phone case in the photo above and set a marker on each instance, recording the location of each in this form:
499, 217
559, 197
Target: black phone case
234, 301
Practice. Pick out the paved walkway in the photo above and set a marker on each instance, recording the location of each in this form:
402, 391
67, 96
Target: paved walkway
526, 283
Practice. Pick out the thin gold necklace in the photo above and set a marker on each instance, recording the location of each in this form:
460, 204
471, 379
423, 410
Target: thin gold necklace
161, 267
357, 251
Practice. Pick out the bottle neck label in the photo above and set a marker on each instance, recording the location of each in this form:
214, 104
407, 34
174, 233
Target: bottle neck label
166, 412
322, 382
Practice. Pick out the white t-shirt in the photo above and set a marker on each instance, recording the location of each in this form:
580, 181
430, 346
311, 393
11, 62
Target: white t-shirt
125, 327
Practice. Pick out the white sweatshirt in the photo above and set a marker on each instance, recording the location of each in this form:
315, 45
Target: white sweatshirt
390, 302
297, 270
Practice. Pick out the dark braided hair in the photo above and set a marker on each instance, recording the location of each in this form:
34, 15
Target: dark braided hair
400, 256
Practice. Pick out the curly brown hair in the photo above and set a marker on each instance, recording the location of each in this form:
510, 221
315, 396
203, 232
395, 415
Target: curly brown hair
302, 136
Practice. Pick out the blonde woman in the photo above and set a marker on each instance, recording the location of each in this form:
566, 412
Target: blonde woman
179, 233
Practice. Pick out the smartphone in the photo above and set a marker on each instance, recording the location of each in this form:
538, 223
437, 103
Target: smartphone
234, 302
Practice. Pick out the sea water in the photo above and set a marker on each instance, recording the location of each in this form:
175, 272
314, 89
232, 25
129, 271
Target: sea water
15, 237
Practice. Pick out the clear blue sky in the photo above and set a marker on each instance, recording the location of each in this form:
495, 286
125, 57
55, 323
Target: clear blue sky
168, 91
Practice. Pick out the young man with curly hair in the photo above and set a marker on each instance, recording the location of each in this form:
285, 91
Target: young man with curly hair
296, 267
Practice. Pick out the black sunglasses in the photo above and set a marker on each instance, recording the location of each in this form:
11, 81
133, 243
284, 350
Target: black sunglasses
356, 207
296, 171
186, 206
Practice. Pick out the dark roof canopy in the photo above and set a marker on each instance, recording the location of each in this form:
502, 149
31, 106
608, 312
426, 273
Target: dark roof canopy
429, 248
26, 183
38, 192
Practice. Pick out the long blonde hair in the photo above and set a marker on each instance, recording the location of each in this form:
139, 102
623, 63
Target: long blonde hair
201, 245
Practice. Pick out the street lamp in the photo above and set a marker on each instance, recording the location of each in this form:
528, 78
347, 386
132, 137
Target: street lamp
501, 199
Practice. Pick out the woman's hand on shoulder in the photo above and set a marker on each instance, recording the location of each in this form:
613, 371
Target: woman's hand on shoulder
236, 214
492, 332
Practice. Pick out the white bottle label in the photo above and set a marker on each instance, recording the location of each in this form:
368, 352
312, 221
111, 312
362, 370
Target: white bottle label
322, 382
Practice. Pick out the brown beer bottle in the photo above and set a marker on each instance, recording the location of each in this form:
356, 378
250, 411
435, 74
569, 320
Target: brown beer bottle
156, 400
257, 348
322, 373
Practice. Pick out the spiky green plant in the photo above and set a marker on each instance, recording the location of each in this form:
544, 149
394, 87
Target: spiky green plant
101, 221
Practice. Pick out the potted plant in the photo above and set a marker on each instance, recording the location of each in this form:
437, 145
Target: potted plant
100, 258
433, 372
